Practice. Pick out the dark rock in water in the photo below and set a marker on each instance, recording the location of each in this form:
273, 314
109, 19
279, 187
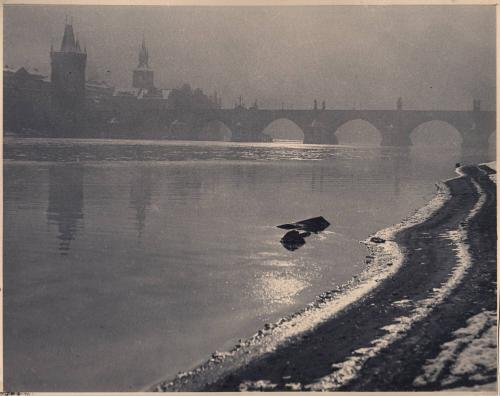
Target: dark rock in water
315, 224
292, 240
291, 236
377, 240
292, 246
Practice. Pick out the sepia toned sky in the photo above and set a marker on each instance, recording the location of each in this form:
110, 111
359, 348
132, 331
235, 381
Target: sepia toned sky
435, 57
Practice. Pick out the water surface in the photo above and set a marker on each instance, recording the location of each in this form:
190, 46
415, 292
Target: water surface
127, 261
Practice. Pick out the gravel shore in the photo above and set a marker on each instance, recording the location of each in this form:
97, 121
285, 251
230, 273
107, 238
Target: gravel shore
429, 325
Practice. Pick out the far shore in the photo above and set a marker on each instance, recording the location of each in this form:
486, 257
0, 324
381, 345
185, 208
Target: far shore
421, 317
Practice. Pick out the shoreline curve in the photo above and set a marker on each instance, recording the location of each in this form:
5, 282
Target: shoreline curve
243, 367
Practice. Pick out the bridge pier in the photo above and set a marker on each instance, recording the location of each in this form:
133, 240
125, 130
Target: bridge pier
240, 133
395, 138
248, 133
318, 133
396, 129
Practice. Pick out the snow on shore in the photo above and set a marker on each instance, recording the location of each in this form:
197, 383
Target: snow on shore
492, 165
346, 371
470, 356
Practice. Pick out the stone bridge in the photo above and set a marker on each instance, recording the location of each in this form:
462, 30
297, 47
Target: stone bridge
320, 125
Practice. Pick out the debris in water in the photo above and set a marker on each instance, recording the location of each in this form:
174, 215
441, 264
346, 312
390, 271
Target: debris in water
314, 224
292, 240
377, 240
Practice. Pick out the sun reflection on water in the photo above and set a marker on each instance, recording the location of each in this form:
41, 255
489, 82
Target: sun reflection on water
279, 287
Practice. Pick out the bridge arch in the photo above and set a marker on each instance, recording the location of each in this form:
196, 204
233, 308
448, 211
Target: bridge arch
284, 129
358, 131
436, 133
215, 130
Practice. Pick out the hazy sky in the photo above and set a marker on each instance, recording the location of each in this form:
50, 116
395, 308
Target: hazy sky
435, 57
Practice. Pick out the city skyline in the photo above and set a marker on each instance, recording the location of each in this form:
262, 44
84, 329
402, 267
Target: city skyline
345, 55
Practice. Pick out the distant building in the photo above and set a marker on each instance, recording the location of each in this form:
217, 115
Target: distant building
143, 87
26, 99
68, 73
67, 105
143, 76
97, 90
22, 79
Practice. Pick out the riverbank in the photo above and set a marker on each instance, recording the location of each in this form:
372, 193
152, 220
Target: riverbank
427, 296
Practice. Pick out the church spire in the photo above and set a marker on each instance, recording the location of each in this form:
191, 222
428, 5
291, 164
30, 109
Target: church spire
143, 55
69, 42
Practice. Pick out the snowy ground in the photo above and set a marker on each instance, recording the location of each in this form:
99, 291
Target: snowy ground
471, 356
492, 165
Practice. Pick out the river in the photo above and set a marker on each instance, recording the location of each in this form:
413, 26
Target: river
128, 261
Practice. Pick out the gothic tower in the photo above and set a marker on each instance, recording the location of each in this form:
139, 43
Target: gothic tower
68, 72
143, 76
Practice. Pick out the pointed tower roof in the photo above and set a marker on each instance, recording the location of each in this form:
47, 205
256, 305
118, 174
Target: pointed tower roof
143, 55
68, 43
